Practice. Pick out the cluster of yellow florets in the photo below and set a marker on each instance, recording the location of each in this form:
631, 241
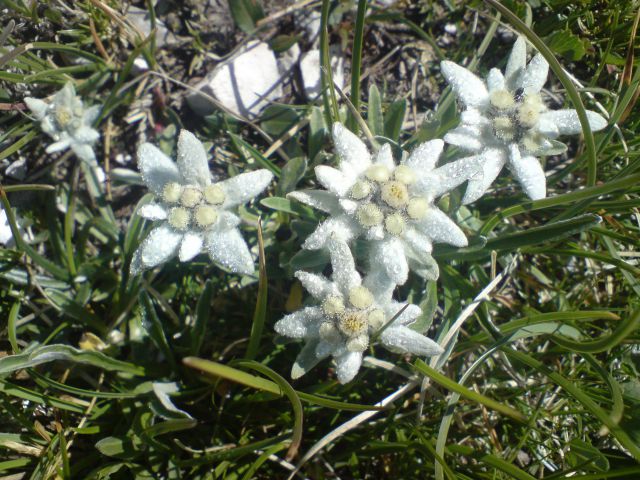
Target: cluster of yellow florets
351, 321
515, 116
384, 198
192, 204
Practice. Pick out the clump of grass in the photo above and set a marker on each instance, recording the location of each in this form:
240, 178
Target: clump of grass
178, 373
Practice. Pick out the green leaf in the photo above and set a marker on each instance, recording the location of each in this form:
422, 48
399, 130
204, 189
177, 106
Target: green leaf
118, 447
277, 119
260, 312
565, 43
246, 13
375, 118
284, 205
39, 354
291, 174
282, 43
247, 151
317, 132
465, 392
203, 314
393, 119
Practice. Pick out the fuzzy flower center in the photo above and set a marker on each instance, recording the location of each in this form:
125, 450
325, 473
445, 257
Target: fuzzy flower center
192, 204
514, 117
384, 199
351, 320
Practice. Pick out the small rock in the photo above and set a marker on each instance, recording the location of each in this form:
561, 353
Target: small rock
141, 19
310, 22
288, 59
310, 70
245, 85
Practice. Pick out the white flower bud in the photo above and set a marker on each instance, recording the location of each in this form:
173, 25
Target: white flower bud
369, 215
528, 114
179, 218
214, 194
377, 173
358, 344
333, 305
404, 174
360, 297
205, 215
353, 323
395, 194
502, 99
63, 116
190, 197
504, 128
171, 192
394, 224
361, 190
417, 208
376, 320
329, 332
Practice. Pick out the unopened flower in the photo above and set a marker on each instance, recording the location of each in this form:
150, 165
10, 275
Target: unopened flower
506, 121
193, 211
349, 311
67, 122
388, 204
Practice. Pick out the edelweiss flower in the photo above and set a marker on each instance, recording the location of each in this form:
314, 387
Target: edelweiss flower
194, 211
506, 121
390, 205
67, 121
348, 313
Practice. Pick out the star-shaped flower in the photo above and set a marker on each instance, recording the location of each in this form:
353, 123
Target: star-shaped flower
388, 204
349, 312
67, 122
506, 121
194, 212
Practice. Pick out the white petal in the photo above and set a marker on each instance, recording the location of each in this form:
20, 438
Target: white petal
440, 228
156, 168
324, 349
334, 180
152, 211
385, 157
492, 160
91, 114
390, 256
351, 150
380, 285
317, 285
86, 135
228, 248
348, 206
424, 158
467, 137
418, 241
408, 315
299, 324
192, 160
529, 173
471, 91
244, 187
568, 123
404, 339
342, 226
472, 117
449, 176
37, 107
320, 199
426, 267
344, 273
190, 246
306, 360
84, 152
159, 246
65, 96
547, 125
227, 220
347, 366
535, 75
58, 146
516, 63
495, 80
